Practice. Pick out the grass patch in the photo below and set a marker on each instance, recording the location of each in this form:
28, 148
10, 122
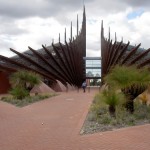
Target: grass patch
27, 100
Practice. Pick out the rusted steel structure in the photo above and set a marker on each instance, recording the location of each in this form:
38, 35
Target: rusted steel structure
58, 62
64, 61
113, 53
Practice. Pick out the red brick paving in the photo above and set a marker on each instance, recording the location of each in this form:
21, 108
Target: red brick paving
55, 123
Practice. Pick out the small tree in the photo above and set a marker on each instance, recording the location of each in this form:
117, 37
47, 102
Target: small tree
22, 82
130, 80
112, 99
19, 93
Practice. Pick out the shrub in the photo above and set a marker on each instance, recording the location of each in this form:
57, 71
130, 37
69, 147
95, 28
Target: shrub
143, 97
130, 80
92, 116
109, 97
22, 82
19, 93
24, 79
141, 111
98, 108
112, 98
105, 119
100, 120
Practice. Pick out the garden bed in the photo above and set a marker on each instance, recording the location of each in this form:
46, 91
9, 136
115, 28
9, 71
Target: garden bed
27, 100
104, 122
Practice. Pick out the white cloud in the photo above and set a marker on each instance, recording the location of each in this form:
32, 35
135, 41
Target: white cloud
40, 23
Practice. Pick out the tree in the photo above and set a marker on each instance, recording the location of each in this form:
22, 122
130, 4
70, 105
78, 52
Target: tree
89, 74
112, 99
22, 82
130, 80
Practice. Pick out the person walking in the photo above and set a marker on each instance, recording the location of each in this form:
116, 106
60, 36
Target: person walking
84, 86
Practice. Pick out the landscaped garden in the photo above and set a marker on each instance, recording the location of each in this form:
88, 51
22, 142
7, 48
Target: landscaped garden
22, 82
27, 100
122, 103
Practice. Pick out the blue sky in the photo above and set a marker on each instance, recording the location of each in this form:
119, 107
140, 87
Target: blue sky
135, 13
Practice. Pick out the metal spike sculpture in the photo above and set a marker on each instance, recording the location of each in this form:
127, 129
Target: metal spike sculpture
62, 62
120, 53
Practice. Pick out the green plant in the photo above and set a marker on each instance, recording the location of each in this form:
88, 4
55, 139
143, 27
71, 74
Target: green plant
19, 93
23, 78
92, 116
106, 119
102, 121
22, 82
130, 80
26, 100
112, 99
98, 108
143, 97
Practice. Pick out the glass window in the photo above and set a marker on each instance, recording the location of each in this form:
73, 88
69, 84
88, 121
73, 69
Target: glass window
93, 72
94, 65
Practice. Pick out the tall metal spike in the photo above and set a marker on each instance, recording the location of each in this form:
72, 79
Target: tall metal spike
71, 32
59, 37
52, 40
84, 10
102, 29
84, 20
109, 34
65, 35
84, 30
115, 37
77, 26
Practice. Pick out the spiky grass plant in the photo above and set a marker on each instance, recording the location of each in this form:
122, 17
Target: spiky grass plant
112, 99
109, 98
130, 80
22, 82
23, 78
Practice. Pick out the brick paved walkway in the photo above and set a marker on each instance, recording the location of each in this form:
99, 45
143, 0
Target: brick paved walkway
54, 124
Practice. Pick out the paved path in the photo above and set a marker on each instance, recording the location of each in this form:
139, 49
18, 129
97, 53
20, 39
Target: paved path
55, 123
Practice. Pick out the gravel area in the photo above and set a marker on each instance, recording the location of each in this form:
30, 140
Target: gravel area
90, 126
